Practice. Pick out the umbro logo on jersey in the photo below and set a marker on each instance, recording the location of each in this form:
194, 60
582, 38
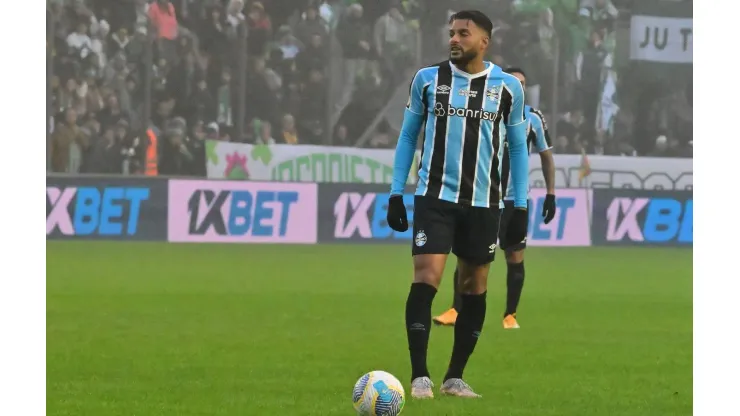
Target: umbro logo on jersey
450, 111
443, 89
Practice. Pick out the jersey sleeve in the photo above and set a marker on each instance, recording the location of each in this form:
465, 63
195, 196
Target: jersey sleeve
413, 119
516, 134
515, 113
539, 128
416, 102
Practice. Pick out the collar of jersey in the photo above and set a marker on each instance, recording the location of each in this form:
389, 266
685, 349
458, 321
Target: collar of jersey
489, 67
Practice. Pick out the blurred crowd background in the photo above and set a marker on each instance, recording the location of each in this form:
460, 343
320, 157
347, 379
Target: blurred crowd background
130, 77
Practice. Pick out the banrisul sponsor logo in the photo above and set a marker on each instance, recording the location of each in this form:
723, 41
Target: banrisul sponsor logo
451, 111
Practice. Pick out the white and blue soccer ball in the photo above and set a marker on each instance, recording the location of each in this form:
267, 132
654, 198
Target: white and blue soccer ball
378, 393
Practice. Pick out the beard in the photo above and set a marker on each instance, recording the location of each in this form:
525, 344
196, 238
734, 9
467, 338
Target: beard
461, 57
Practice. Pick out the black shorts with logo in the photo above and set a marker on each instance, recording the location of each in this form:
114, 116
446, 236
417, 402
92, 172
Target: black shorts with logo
441, 226
505, 219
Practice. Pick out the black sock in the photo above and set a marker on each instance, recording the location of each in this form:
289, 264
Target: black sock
456, 300
514, 285
418, 325
467, 330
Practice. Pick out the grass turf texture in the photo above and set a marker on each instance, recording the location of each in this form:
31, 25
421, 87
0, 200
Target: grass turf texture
157, 329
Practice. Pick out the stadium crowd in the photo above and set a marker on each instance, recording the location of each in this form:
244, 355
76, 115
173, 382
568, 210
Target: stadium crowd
126, 75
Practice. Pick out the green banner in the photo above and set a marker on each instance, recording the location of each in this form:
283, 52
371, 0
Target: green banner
301, 163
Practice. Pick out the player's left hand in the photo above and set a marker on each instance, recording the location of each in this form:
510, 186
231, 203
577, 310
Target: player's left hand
396, 217
549, 208
517, 230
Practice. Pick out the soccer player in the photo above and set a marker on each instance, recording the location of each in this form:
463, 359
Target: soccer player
461, 102
537, 136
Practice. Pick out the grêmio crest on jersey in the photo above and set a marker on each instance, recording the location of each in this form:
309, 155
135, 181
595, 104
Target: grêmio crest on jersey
494, 93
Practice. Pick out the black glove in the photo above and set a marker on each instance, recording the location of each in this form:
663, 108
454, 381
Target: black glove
396, 218
548, 208
517, 227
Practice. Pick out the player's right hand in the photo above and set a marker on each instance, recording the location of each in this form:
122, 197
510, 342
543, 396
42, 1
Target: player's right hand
517, 229
397, 218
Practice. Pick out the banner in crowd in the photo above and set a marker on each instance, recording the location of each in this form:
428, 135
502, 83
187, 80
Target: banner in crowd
300, 163
635, 217
662, 31
242, 212
106, 208
617, 172
357, 213
322, 164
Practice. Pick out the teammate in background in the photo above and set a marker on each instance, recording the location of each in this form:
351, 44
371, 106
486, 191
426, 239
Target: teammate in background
463, 101
537, 136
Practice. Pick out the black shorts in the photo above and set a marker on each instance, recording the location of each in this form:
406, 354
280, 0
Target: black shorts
505, 218
469, 232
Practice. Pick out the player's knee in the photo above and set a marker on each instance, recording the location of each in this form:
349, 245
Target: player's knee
514, 256
428, 269
472, 279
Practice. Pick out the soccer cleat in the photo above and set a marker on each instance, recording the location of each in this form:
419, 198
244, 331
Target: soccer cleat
457, 387
421, 388
448, 318
510, 322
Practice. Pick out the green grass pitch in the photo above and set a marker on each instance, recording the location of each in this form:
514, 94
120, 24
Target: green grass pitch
178, 330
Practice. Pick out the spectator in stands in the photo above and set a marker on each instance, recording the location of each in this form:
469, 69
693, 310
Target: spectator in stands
105, 155
265, 133
164, 21
175, 158
260, 30
591, 64
288, 44
355, 37
571, 129
313, 108
391, 37
313, 57
604, 12
289, 131
224, 100
329, 11
234, 17
310, 24
341, 136
263, 100
79, 41
68, 143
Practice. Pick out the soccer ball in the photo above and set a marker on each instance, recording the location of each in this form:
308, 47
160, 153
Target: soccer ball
378, 393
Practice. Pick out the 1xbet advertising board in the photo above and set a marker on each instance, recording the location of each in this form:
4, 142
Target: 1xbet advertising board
106, 208
242, 212
637, 217
357, 213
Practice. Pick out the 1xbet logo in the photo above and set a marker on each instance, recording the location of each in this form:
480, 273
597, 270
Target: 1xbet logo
665, 219
364, 215
86, 211
259, 214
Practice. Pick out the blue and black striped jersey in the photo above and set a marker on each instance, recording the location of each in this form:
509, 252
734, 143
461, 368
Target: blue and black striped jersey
463, 114
537, 137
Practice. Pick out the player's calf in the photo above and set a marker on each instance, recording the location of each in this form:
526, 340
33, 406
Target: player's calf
427, 273
514, 287
469, 323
